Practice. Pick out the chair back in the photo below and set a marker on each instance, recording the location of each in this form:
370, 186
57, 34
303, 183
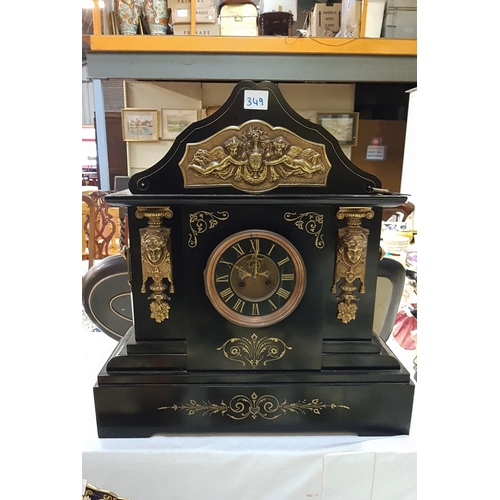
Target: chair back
103, 232
88, 229
405, 210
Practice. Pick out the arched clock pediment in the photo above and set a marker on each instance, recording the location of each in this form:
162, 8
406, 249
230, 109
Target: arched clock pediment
285, 149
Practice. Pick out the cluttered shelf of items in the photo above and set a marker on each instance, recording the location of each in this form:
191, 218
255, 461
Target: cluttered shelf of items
90, 176
349, 27
399, 242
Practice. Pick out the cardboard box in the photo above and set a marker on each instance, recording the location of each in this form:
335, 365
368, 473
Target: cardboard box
325, 20
350, 19
374, 18
266, 6
206, 12
208, 29
238, 20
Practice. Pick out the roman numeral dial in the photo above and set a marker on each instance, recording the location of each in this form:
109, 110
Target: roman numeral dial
255, 278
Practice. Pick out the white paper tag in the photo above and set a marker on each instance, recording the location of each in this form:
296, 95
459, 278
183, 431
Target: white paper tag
84, 485
375, 153
256, 99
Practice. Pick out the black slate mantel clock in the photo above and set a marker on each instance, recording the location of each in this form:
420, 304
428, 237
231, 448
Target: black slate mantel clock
254, 248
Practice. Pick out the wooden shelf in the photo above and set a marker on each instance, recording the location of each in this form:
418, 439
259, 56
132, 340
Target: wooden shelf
254, 45
215, 58
281, 59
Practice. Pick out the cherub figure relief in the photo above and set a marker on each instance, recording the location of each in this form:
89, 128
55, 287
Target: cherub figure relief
257, 159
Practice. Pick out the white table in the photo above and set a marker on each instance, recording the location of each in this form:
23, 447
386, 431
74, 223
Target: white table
244, 467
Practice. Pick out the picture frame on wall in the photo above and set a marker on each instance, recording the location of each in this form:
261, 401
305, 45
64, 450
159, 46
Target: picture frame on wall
140, 124
174, 121
343, 126
210, 110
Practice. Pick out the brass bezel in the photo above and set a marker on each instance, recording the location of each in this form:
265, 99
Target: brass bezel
255, 321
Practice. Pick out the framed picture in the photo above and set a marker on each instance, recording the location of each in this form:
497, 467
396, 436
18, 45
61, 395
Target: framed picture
174, 121
211, 110
140, 124
343, 126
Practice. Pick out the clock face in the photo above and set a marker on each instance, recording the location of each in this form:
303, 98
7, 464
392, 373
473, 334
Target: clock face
255, 278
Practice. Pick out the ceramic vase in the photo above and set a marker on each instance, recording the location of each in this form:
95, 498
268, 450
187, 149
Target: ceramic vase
128, 13
155, 12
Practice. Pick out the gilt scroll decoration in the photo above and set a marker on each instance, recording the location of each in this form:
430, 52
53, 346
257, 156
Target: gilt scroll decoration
310, 222
202, 220
156, 259
350, 263
254, 157
267, 407
254, 350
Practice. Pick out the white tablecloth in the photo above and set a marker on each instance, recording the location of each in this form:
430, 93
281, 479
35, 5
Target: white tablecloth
253, 467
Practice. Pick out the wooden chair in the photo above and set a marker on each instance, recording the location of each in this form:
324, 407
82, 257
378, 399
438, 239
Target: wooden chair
406, 209
103, 233
88, 229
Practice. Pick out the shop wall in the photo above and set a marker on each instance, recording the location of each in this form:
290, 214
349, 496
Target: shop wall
157, 95
409, 175
392, 134
307, 99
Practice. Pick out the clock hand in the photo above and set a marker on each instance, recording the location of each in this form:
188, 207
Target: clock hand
242, 273
253, 262
254, 265
257, 263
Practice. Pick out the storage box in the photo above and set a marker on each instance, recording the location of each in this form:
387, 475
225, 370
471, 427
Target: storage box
290, 6
207, 29
325, 20
374, 17
275, 24
400, 20
238, 20
350, 19
206, 12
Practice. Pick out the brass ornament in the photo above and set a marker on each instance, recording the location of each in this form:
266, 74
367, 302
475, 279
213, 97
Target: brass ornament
350, 263
241, 407
125, 253
156, 259
93, 493
254, 157
254, 350
200, 221
310, 222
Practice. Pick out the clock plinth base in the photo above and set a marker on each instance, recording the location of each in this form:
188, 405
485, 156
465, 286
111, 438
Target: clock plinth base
138, 403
